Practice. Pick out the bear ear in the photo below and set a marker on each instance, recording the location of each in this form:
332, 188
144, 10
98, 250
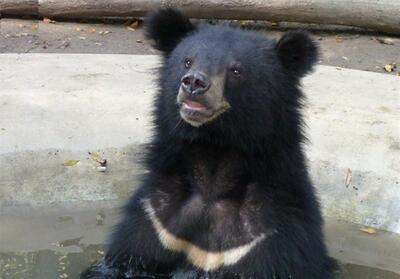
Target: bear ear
297, 52
166, 27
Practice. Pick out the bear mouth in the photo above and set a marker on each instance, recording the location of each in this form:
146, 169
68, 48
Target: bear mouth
195, 113
190, 105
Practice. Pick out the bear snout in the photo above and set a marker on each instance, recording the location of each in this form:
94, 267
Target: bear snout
195, 82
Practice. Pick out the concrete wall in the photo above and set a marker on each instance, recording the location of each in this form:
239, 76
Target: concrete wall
55, 108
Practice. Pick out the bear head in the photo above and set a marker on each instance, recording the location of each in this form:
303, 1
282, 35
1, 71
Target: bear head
220, 79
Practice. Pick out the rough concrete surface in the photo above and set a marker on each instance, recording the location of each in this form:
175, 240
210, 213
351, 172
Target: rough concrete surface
354, 151
56, 108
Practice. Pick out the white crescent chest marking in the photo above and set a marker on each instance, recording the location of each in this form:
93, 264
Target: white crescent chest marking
199, 257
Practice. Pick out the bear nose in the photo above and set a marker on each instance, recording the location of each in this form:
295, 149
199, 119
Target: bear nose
195, 83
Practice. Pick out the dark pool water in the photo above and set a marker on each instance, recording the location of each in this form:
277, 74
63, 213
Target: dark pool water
58, 243
48, 264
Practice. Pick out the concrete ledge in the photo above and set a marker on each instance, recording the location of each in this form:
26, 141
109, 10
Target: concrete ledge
354, 129
55, 108
60, 107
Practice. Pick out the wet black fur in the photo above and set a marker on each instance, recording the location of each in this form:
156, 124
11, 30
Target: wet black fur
247, 162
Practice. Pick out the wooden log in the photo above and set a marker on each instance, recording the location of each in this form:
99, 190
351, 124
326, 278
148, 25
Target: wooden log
19, 7
380, 15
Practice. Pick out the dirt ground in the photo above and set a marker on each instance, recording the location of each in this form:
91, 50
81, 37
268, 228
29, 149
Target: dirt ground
345, 48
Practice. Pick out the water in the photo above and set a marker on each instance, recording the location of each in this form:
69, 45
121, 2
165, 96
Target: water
51, 243
48, 264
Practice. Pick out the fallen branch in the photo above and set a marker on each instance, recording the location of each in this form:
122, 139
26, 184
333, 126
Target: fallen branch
19, 7
380, 15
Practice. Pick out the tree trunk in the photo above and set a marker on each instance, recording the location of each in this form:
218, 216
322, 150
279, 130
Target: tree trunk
19, 7
380, 15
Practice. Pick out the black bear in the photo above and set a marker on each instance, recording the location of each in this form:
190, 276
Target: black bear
227, 194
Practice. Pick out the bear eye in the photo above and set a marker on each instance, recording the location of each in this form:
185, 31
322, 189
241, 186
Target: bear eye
235, 72
188, 63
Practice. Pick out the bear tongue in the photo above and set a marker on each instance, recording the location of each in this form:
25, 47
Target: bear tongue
193, 105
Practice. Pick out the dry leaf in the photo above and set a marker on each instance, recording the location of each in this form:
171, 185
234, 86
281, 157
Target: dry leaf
104, 32
95, 157
386, 41
246, 22
338, 68
64, 44
368, 230
82, 38
339, 39
48, 20
70, 163
35, 26
390, 67
348, 177
98, 159
134, 24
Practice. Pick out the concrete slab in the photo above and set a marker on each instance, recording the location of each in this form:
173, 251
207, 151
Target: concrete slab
354, 128
60, 107
57, 107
